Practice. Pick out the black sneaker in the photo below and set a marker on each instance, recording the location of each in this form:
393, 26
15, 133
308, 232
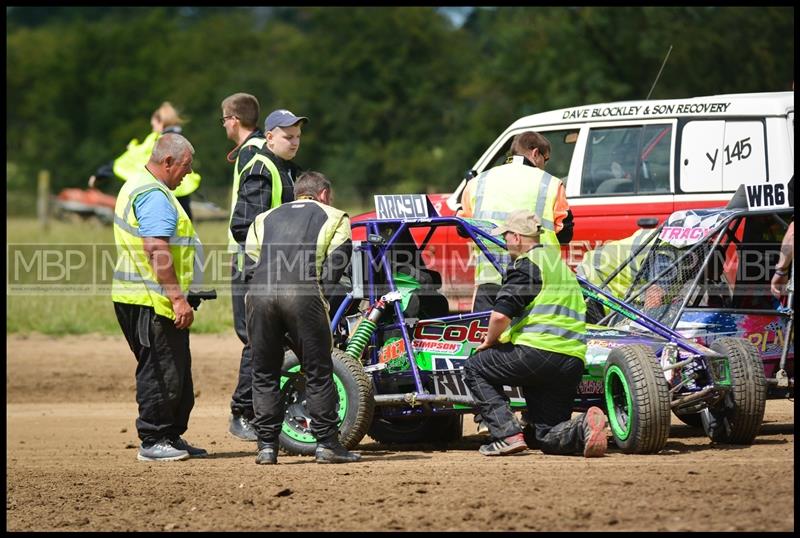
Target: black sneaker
161, 450
267, 453
241, 428
332, 451
194, 452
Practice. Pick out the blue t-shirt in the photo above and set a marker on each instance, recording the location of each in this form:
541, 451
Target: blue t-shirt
156, 215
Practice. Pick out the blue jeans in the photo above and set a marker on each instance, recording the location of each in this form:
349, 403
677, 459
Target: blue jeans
549, 382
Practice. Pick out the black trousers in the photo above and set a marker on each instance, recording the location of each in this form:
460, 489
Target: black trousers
305, 317
242, 399
549, 382
164, 389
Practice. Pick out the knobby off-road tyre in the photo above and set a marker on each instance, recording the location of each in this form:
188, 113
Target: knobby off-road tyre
737, 418
637, 399
435, 429
356, 405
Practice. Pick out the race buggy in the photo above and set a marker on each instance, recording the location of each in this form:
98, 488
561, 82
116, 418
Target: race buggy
398, 356
713, 267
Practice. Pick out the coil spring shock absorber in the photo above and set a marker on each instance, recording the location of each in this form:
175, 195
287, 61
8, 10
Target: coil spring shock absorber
368, 325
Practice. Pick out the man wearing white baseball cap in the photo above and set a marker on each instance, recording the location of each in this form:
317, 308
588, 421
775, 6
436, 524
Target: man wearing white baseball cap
268, 184
536, 340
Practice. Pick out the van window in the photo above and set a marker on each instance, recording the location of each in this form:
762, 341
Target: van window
562, 145
719, 155
631, 159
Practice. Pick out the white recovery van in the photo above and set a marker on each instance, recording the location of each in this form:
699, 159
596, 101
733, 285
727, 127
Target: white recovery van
625, 161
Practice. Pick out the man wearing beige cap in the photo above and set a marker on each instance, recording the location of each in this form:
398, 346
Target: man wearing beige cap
535, 340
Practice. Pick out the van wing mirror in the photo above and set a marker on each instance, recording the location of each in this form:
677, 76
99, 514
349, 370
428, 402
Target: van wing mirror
647, 223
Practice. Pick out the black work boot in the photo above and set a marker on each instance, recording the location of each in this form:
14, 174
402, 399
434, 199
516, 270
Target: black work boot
330, 450
241, 428
267, 453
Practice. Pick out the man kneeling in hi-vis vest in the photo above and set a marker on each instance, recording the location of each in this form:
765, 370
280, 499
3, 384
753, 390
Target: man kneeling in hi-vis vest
535, 340
156, 255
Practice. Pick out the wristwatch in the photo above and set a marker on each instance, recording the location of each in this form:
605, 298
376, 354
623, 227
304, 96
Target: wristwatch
780, 272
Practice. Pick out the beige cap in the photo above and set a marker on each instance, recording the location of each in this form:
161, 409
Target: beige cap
521, 221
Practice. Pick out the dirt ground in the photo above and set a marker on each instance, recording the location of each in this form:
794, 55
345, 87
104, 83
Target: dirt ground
71, 465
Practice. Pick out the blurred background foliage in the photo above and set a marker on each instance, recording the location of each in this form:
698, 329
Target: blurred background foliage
400, 99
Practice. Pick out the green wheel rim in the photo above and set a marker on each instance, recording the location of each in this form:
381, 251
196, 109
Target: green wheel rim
300, 432
619, 405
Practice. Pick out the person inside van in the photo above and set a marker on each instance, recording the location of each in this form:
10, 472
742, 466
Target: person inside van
617, 174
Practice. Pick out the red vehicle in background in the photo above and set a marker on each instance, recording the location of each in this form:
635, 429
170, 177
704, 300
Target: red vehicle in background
631, 164
84, 204
87, 204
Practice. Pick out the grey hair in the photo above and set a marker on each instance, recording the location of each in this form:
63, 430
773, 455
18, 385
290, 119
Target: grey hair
311, 183
171, 145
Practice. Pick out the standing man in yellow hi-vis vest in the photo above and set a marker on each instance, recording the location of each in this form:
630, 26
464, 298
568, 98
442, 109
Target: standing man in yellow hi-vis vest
521, 183
536, 340
266, 183
240, 113
157, 251
164, 120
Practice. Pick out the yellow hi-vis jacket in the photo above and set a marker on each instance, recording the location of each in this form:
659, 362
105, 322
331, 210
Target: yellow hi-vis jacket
233, 246
128, 165
556, 318
135, 281
506, 188
599, 263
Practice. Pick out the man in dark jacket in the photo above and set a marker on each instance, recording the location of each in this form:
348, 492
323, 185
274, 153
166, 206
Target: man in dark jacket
266, 183
270, 181
240, 113
297, 250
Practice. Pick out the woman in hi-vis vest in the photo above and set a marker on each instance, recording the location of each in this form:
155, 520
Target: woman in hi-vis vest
164, 120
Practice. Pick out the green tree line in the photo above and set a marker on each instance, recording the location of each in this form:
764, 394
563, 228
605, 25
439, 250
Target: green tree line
400, 99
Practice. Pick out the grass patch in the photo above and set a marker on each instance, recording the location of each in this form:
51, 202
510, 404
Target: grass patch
91, 310
88, 311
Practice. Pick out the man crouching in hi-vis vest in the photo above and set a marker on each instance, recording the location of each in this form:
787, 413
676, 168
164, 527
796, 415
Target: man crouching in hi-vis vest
156, 253
535, 340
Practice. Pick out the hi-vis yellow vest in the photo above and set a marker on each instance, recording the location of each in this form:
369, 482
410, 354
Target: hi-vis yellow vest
506, 188
128, 165
556, 318
233, 246
134, 280
599, 263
